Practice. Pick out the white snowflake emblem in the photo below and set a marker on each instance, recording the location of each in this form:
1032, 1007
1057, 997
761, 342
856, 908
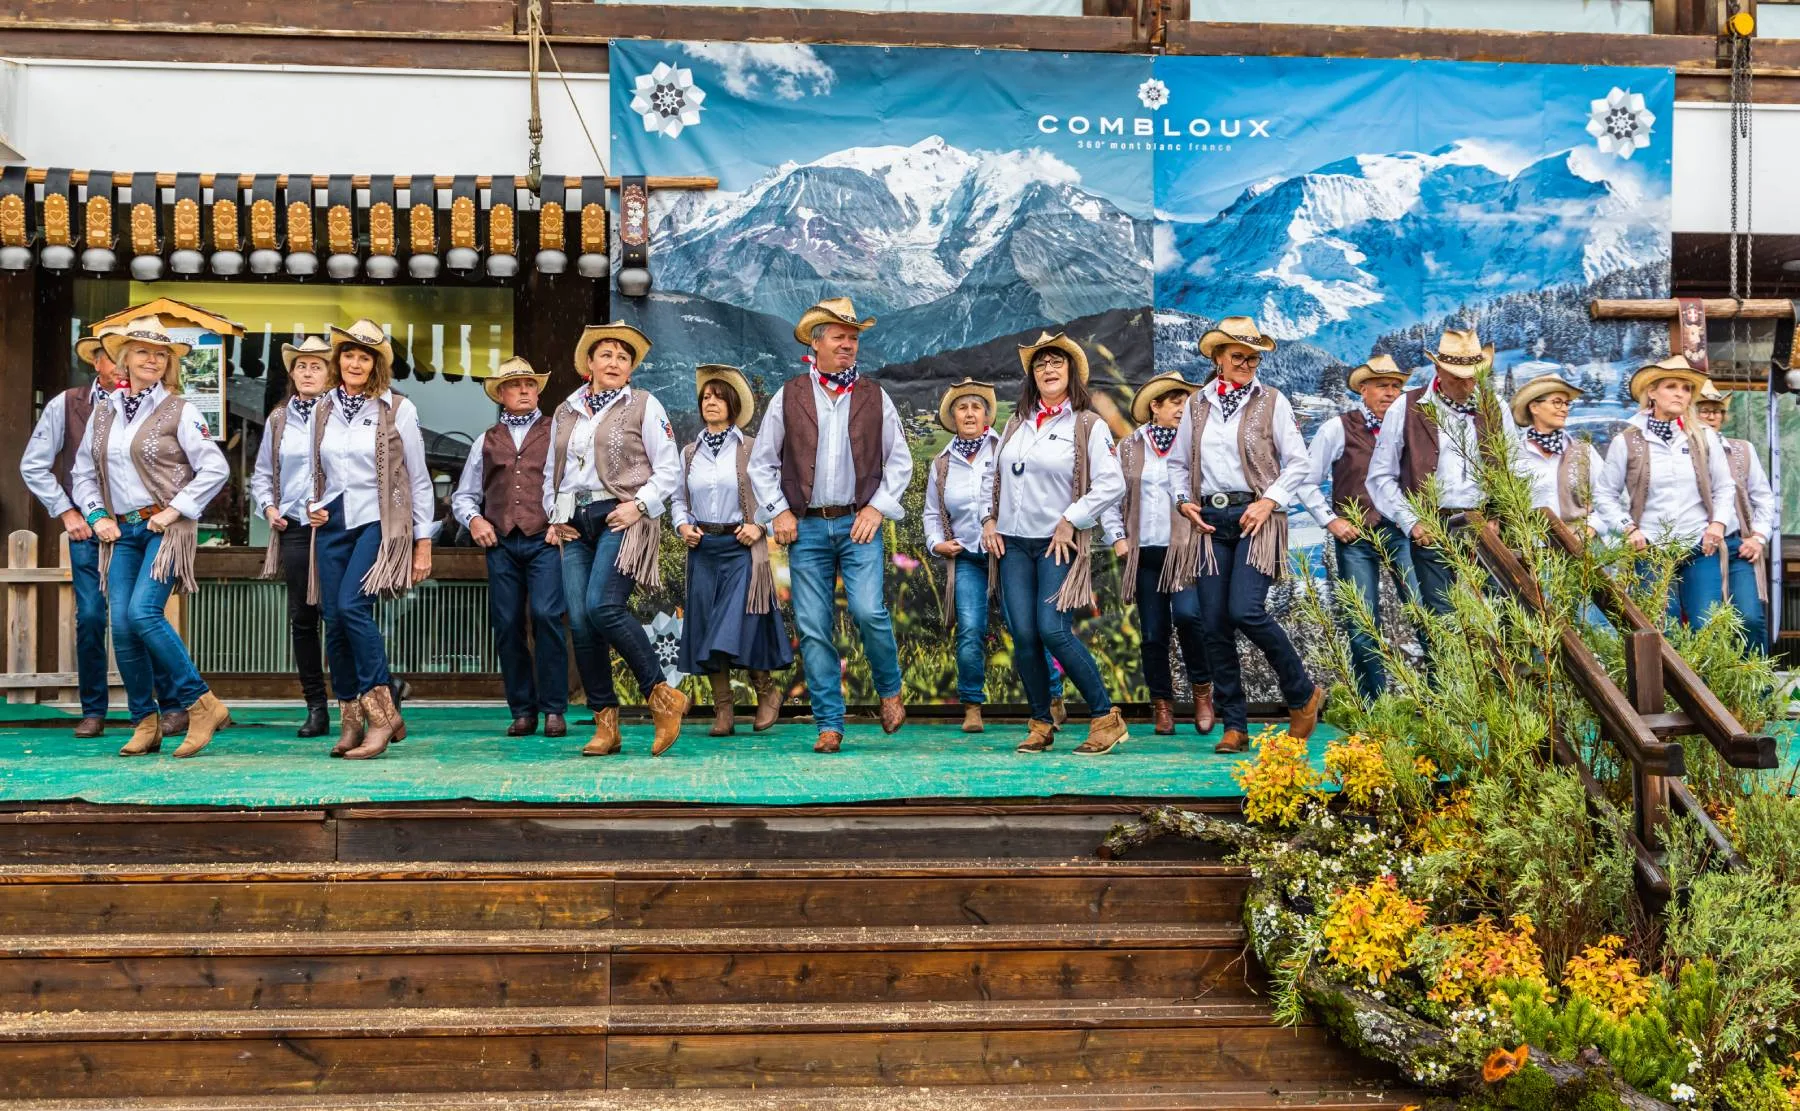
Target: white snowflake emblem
667, 99
664, 632
1153, 94
1620, 124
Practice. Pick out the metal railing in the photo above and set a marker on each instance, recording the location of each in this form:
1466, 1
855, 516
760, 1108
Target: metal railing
238, 627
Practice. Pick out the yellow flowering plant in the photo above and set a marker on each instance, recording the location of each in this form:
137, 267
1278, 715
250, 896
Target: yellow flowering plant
1370, 927
1478, 955
1604, 976
1361, 771
1280, 781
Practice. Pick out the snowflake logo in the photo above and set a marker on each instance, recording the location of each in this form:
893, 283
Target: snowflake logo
667, 99
1620, 124
1153, 94
664, 632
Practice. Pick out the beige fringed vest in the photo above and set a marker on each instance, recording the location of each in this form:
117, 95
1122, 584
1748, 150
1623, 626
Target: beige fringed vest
762, 576
1256, 449
273, 430
1637, 478
1737, 457
623, 465
1078, 589
1575, 482
1132, 454
164, 469
391, 574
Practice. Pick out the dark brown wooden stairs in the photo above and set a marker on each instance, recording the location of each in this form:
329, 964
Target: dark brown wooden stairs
672, 985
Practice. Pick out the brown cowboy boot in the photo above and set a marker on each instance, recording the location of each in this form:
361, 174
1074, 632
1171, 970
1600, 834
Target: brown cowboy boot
351, 723
1234, 740
893, 714
724, 713
768, 700
972, 717
606, 738
1039, 739
829, 741
1204, 717
205, 717
384, 722
1059, 712
667, 707
90, 726
175, 723
1162, 716
146, 737
1105, 733
1302, 721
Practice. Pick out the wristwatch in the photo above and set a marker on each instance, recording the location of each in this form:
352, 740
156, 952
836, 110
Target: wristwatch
642, 508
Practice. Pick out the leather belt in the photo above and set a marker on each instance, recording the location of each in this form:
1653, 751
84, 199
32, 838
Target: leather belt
830, 512
716, 528
1224, 500
139, 515
585, 498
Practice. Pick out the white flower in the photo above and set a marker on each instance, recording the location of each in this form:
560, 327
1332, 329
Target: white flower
667, 99
664, 632
1681, 1093
1620, 124
1153, 94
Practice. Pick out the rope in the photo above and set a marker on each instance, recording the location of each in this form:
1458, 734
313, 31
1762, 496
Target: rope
1742, 78
536, 40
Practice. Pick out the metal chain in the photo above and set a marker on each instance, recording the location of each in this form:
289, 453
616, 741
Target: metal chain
1741, 134
534, 128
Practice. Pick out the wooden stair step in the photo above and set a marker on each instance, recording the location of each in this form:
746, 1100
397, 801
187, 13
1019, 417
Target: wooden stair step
640, 870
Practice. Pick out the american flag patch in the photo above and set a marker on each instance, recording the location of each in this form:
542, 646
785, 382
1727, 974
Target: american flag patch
667, 431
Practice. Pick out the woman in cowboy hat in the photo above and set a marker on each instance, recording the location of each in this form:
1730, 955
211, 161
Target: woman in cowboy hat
1057, 471
144, 473
1237, 462
1747, 579
1561, 468
1668, 481
953, 511
613, 467
1143, 528
279, 490
500, 500
371, 512
732, 619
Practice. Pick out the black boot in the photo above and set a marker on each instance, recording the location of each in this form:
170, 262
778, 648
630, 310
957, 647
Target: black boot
317, 724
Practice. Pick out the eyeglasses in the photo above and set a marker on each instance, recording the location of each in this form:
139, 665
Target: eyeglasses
1238, 358
1555, 402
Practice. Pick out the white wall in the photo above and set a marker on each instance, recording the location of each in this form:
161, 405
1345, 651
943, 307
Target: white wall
1617, 17
1702, 185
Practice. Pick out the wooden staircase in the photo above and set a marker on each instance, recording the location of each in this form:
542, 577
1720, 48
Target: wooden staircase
986, 984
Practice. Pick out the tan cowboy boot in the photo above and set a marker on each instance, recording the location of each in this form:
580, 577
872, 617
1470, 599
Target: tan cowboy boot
1302, 721
893, 714
724, 715
205, 717
1059, 712
972, 717
146, 737
1204, 717
1162, 716
351, 723
384, 720
829, 741
1039, 739
1105, 733
768, 700
667, 707
606, 739
1234, 740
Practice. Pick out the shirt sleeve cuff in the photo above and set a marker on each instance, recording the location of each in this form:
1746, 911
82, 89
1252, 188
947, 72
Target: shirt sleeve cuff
773, 509
1080, 522
889, 506
653, 505
423, 532
186, 506
60, 506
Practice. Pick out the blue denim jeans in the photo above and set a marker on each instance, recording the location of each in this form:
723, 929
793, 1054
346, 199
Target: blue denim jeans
972, 629
1743, 581
1234, 599
598, 596
1699, 586
147, 647
90, 634
1029, 580
1359, 566
525, 579
1161, 614
822, 552
354, 647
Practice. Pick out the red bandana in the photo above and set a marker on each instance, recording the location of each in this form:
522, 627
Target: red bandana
1045, 413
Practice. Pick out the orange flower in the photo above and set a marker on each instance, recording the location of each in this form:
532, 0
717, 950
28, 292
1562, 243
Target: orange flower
1503, 1062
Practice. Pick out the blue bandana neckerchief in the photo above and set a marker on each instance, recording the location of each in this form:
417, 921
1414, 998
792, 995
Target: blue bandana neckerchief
1230, 397
1663, 430
350, 405
1553, 443
599, 401
1371, 422
133, 402
842, 382
1466, 408
968, 449
303, 406
714, 440
1163, 438
518, 420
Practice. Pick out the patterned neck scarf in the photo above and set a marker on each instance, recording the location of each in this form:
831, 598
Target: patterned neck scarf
842, 382
968, 449
302, 407
1466, 407
133, 402
1663, 430
518, 420
1231, 397
599, 401
1163, 438
1371, 422
714, 440
350, 404
1553, 443
1045, 413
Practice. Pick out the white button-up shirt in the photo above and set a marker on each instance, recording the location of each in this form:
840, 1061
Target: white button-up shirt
347, 456
465, 502
1222, 465
296, 467
126, 485
1762, 497
1459, 453
709, 493
1323, 453
834, 469
37, 467
1541, 468
1036, 472
964, 481
1155, 502
1672, 507
581, 473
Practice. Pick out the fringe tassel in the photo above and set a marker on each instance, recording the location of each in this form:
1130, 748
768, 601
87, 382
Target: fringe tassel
1761, 563
272, 560
1268, 548
762, 578
1186, 561
993, 576
175, 556
1078, 588
1129, 593
391, 575
949, 603
639, 550
106, 552
312, 568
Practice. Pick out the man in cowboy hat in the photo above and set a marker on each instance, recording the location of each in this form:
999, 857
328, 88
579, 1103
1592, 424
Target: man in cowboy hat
1364, 541
500, 500
46, 467
1747, 580
1560, 467
831, 462
1439, 429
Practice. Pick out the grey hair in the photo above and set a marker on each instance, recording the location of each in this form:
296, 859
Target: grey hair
819, 330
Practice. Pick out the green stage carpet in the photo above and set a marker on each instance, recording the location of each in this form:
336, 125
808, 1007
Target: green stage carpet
460, 753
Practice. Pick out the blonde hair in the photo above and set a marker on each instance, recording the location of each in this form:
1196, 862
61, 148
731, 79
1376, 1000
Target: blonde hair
171, 379
381, 379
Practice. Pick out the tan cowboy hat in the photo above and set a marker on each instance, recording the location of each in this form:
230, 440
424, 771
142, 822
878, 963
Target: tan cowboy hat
1713, 395
635, 342
1165, 383
311, 345
364, 333
145, 329
1058, 342
1235, 329
1461, 355
968, 387
1675, 366
88, 348
1378, 366
733, 377
1536, 390
511, 370
832, 310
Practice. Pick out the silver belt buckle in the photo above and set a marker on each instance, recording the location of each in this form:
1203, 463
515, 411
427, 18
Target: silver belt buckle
583, 497
1219, 500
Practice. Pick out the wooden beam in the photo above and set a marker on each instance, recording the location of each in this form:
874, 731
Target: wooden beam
190, 45
1716, 308
391, 16
599, 22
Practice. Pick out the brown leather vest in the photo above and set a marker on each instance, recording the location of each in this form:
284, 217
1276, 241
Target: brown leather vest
800, 441
512, 485
78, 406
1419, 454
1350, 474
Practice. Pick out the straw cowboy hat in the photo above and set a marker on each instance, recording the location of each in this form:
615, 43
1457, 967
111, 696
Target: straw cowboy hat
733, 377
1675, 366
1163, 384
1536, 390
364, 333
1235, 329
311, 345
832, 310
968, 387
1378, 366
1461, 355
1058, 342
88, 348
1712, 395
635, 342
512, 370
145, 329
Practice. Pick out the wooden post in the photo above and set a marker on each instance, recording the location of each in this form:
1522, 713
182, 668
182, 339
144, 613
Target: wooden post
1644, 686
21, 614
65, 621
